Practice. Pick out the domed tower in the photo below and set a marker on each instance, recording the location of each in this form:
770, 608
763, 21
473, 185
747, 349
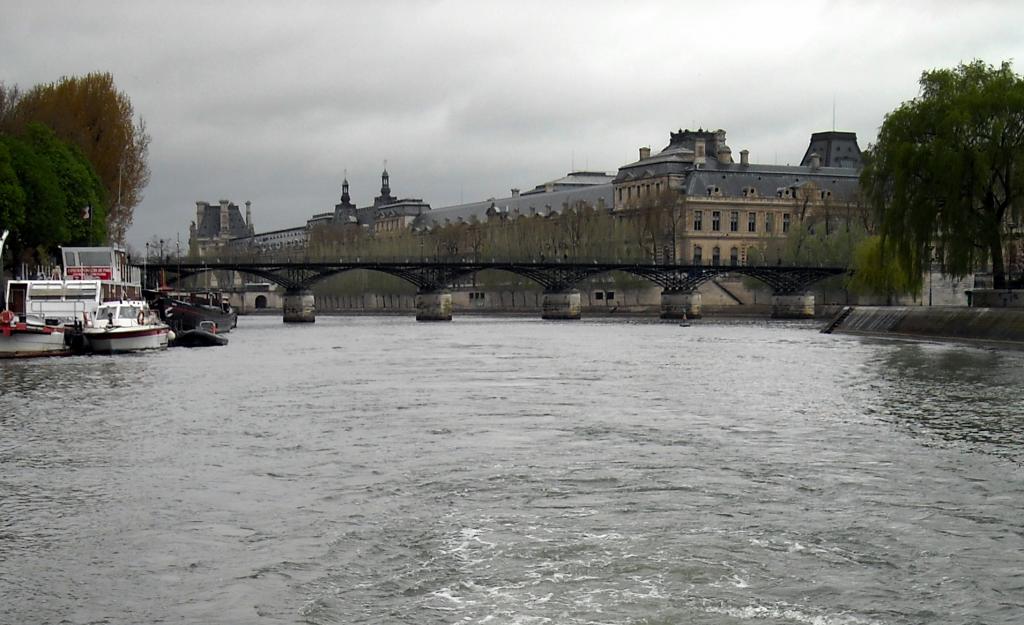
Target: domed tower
385, 197
345, 211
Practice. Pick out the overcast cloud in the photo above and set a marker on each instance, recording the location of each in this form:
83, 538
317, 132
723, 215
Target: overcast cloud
272, 101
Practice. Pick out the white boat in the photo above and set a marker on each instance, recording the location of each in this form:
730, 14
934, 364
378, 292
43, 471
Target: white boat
23, 335
26, 336
90, 276
125, 326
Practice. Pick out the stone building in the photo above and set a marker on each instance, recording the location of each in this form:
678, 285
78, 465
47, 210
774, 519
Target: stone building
724, 212
387, 214
717, 210
217, 224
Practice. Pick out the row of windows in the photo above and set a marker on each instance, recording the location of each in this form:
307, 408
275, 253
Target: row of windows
639, 190
716, 256
734, 221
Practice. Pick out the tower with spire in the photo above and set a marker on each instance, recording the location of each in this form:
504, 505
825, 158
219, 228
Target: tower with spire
385, 196
345, 211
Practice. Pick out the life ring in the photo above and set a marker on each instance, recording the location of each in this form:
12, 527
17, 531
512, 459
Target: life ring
141, 318
6, 317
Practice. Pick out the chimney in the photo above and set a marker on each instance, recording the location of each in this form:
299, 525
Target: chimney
248, 213
724, 154
698, 150
815, 161
515, 193
645, 153
225, 217
744, 157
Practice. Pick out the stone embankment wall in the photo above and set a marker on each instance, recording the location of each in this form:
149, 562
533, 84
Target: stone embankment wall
940, 322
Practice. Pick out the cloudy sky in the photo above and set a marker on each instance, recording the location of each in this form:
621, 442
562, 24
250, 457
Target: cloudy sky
272, 101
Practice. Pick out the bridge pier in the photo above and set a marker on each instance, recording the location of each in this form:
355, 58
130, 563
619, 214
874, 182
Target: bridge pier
678, 304
299, 306
561, 305
793, 306
433, 306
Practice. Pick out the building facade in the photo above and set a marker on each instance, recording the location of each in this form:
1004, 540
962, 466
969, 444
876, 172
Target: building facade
715, 211
217, 225
701, 206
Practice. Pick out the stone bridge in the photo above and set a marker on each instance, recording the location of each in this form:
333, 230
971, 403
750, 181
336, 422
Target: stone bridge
561, 300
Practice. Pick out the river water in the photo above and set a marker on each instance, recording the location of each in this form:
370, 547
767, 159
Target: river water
514, 471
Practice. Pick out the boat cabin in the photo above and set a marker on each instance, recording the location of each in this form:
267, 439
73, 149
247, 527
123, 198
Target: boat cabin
109, 265
64, 300
126, 313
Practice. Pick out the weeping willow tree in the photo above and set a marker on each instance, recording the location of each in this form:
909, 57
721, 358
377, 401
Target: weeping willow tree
946, 176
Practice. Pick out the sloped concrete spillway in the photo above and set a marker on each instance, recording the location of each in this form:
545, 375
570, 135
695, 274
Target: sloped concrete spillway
941, 322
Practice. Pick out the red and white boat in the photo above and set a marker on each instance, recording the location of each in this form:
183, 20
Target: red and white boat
25, 336
125, 326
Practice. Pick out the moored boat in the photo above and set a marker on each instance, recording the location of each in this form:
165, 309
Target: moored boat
125, 326
24, 335
205, 335
189, 311
27, 336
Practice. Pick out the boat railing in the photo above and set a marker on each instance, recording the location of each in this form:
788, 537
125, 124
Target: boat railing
66, 309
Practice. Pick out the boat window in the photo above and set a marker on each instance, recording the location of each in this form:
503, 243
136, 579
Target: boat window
96, 258
45, 291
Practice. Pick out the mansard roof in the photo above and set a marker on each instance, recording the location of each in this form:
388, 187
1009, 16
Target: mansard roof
572, 179
523, 205
835, 149
208, 225
677, 160
732, 179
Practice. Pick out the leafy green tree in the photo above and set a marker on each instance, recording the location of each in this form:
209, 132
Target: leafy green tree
45, 187
12, 196
947, 172
91, 114
45, 223
879, 270
84, 209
